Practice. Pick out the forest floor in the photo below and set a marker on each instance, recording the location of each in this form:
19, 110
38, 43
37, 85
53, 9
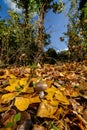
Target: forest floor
47, 97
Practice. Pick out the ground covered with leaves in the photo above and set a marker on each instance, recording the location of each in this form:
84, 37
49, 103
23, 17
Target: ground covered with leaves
47, 97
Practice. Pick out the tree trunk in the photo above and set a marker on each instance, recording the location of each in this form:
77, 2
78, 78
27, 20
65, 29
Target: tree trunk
39, 41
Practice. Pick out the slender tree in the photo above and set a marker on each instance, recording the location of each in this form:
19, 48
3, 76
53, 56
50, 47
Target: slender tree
44, 7
40, 7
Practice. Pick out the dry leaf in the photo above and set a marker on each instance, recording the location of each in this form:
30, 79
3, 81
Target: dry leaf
8, 97
55, 94
46, 109
61, 98
21, 103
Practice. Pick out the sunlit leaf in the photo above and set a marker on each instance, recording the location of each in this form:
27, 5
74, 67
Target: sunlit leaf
51, 91
55, 94
21, 103
23, 81
27, 89
8, 97
14, 83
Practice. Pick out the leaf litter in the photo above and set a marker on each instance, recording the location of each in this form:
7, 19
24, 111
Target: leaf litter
47, 97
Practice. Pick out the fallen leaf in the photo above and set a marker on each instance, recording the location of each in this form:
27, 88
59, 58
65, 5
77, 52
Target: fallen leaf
54, 93
8, 97
46, 109
13, 85
21, 103
61, 98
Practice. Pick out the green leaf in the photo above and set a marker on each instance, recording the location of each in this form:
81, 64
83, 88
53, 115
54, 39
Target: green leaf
55, 128
17, 117
9, 124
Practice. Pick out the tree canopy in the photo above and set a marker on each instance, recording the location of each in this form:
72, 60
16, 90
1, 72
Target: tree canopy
23, 36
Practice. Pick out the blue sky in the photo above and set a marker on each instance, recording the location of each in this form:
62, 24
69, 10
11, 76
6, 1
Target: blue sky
55, 24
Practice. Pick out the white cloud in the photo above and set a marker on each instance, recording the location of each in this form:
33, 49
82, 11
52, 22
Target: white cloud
60, 50
13, 6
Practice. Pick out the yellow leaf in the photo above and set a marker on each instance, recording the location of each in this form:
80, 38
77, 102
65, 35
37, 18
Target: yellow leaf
60, 111
61, 98
11, 88
49, 96
12, 76
34, 100
27, 89
46, 110
14, 83
13, 80
23, 81
17, 84
54, 102
51, 91
21, 103
55, 94
8, 97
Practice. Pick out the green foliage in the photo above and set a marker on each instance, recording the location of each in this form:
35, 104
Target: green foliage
63, 56
58, 7
53, 127
77, 33
17, 117
22, 37
50, 56
16, 39
40, 7
10, 124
